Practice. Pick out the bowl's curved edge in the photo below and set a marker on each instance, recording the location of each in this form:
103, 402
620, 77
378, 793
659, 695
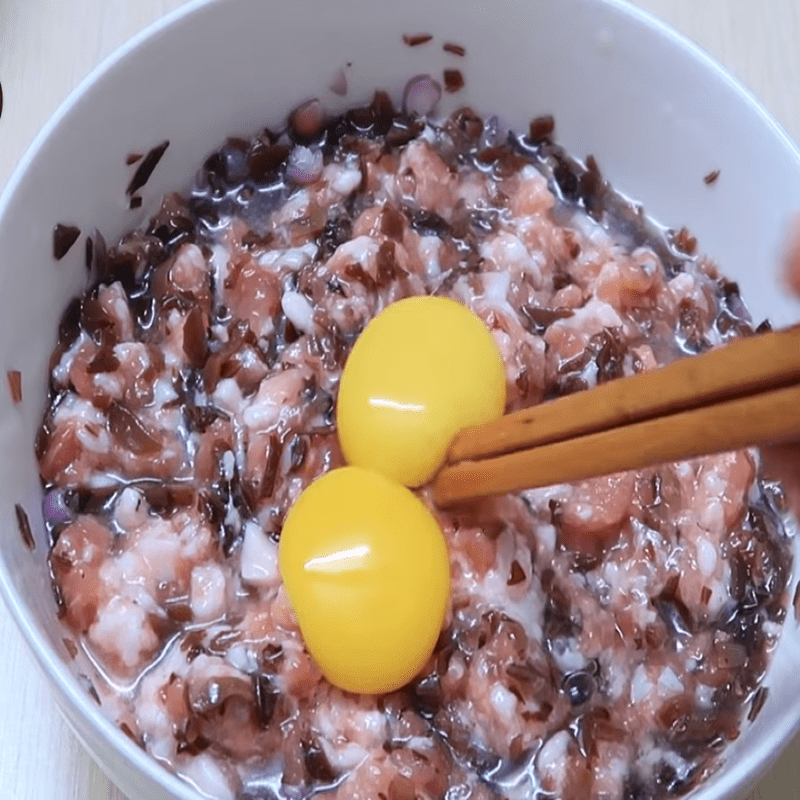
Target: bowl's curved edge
653, 22
67, 688
748, 770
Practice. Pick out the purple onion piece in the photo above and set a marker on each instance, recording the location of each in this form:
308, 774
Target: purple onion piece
308, 119
339, 83
421, 95
304, 165
56, 507
492, 135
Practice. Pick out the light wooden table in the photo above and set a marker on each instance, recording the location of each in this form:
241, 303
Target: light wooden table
46, 47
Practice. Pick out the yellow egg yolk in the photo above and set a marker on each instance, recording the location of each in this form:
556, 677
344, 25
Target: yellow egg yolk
422, 370
366, 568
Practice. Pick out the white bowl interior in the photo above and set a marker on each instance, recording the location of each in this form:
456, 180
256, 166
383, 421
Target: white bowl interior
655, 111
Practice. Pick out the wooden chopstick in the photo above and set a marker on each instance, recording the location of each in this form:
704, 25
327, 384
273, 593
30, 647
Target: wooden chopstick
766, 361
740, 395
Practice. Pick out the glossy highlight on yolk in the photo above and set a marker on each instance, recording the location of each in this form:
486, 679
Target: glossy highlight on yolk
422, 370
366, 568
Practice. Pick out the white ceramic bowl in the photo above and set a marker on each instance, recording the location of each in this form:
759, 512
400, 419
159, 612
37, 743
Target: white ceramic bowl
657, 113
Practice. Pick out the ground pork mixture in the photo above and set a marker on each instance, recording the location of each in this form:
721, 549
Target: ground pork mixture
604, 639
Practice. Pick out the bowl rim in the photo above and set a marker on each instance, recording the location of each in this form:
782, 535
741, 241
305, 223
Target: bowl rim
738, 776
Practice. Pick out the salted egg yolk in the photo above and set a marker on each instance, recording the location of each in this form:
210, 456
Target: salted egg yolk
422, 370
365, 566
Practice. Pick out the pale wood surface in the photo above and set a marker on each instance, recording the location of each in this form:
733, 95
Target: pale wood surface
46, 47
